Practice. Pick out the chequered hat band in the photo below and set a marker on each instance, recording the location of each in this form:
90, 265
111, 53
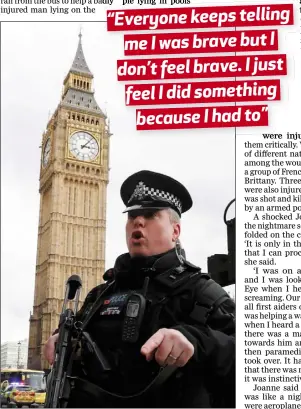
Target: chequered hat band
142, 191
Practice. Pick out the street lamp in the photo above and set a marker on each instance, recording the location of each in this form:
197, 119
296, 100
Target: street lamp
19, 352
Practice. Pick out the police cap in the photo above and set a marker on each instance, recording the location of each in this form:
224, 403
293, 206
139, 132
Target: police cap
152, 190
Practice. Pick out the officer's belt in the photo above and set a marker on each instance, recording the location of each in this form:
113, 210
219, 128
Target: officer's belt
97, 392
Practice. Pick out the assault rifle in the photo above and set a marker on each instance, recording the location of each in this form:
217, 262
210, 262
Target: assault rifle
56, 382
221, 267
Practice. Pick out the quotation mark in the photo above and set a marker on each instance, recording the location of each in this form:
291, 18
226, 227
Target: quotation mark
111, 14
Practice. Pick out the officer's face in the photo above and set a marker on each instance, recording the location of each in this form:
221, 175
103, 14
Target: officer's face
150, 232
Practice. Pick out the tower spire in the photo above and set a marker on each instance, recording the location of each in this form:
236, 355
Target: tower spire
79, 64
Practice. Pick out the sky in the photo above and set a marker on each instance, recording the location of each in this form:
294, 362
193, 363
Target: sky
35, 60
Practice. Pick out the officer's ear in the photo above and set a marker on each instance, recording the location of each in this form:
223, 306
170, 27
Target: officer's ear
176, 231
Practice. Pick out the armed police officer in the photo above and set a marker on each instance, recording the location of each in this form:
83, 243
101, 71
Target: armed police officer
164, 329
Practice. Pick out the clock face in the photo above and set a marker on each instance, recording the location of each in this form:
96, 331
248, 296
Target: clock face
46, 153
83, 146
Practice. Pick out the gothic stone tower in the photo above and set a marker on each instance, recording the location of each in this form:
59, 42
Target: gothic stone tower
72, 221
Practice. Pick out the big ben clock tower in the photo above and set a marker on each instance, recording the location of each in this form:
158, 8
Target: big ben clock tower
72, 221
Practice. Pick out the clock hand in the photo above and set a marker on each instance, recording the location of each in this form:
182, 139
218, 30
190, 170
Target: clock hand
83, 146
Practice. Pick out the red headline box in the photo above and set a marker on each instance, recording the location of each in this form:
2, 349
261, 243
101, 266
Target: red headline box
201, 117
200, 17
201, 42
202, 92
201, 67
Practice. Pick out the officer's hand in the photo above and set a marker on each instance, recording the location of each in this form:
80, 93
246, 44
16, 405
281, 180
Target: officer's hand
169, 346
49, 348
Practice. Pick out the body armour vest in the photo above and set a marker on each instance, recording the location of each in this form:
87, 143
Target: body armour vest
130, 372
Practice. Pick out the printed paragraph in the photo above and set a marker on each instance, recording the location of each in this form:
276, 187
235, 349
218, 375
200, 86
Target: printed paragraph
272, 242
51, 7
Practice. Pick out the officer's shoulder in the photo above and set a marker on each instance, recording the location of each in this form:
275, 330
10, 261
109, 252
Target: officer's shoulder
205, 286
96, 290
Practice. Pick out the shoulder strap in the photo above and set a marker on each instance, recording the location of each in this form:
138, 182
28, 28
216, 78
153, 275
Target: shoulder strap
96, 304
208, 297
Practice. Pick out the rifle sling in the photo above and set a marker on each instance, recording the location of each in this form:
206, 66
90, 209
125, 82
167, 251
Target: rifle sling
97, 392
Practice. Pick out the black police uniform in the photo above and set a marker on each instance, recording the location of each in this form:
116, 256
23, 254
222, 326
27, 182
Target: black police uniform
207, 380
174, 299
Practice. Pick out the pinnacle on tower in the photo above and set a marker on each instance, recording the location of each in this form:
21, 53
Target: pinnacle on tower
79, 64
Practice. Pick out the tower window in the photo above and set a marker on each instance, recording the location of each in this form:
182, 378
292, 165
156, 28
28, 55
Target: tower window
87, 120
82, 98
97, 122
92, 121
83, 119
73, 116
78, 118
74, 82
73, 96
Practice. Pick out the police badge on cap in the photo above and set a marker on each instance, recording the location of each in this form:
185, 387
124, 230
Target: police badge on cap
151, 190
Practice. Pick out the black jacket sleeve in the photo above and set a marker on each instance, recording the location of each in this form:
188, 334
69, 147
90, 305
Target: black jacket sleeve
213, 340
